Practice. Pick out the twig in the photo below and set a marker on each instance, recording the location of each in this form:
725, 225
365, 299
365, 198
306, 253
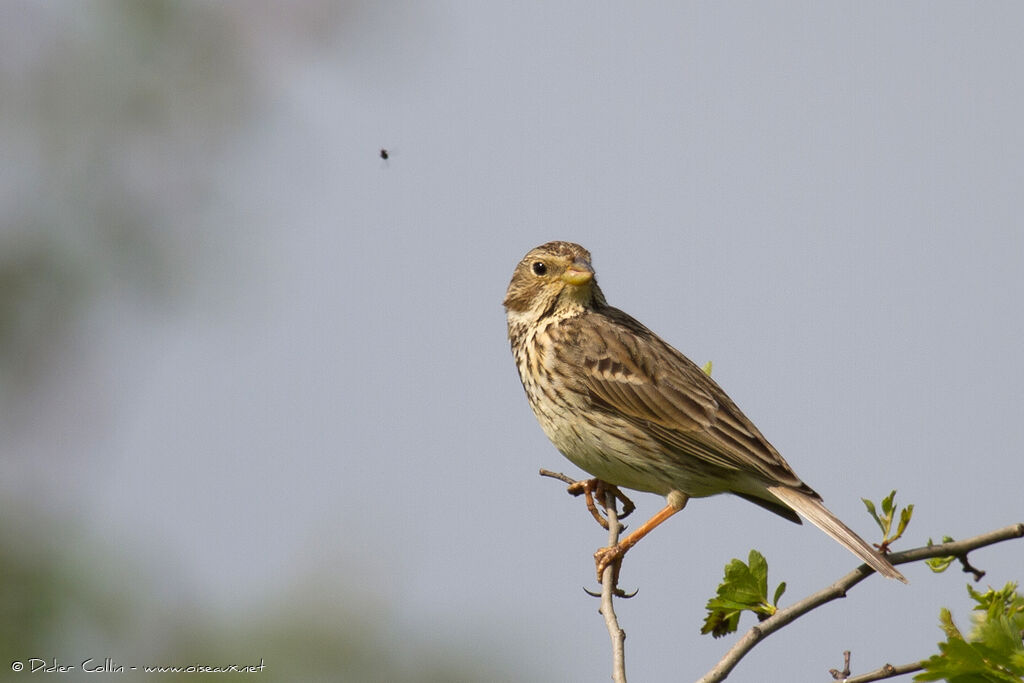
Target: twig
838, 675
887, 671
557, 475
784, 616
968, 568
608, 580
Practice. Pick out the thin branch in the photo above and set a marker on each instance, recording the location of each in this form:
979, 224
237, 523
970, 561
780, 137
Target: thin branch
557, 475
968, 568
838, 675
887, 671
958, 548
608, 581
784, 616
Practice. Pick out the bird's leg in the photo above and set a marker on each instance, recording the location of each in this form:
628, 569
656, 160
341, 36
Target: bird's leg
605, 556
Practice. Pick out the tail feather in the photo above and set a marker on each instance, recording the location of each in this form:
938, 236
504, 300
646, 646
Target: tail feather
817, 514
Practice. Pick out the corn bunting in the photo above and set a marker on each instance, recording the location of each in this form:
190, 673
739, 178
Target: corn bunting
632, 411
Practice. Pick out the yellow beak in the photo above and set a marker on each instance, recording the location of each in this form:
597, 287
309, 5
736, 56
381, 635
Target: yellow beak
579, 273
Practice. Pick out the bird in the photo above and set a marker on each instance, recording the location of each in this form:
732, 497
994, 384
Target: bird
628, 408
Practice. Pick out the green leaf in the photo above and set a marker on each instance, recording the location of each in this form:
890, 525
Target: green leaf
778, 593
947, 625
874, 514
759, 571
905, 515
940, 564
887, 506
744, 588
707, 368
720, 622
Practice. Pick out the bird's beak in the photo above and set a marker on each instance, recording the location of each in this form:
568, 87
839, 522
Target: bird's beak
579, 273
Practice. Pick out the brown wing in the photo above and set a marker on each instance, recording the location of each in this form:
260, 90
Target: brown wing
630, 370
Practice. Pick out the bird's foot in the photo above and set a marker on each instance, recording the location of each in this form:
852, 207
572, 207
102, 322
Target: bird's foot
609, 557
591, 488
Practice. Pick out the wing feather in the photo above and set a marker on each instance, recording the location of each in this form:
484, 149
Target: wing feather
631, 371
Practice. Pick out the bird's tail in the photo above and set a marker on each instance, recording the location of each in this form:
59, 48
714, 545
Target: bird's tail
817, 514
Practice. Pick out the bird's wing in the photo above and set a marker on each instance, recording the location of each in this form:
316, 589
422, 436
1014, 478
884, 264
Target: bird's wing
631, 371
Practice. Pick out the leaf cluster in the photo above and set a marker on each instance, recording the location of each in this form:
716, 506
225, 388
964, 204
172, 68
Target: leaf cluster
993, 652
745, 587
888, 516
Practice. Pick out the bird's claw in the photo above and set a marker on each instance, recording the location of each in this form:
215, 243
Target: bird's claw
590, 488
609, 557
617, 592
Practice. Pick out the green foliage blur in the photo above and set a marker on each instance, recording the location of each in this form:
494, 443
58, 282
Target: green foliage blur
993, 651
61, 602
113, 114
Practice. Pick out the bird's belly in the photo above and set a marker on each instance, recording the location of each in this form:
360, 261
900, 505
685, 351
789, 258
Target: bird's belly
627, 457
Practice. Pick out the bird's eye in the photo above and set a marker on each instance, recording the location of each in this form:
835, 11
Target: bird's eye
539, 268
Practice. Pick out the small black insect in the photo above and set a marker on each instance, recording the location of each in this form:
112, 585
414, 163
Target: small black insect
384, 154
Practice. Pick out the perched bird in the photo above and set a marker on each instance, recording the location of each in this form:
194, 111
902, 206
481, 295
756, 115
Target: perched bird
632, 411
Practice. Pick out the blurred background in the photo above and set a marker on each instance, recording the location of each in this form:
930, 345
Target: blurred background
256, 399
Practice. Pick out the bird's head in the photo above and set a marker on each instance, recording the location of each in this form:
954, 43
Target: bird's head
554, 278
